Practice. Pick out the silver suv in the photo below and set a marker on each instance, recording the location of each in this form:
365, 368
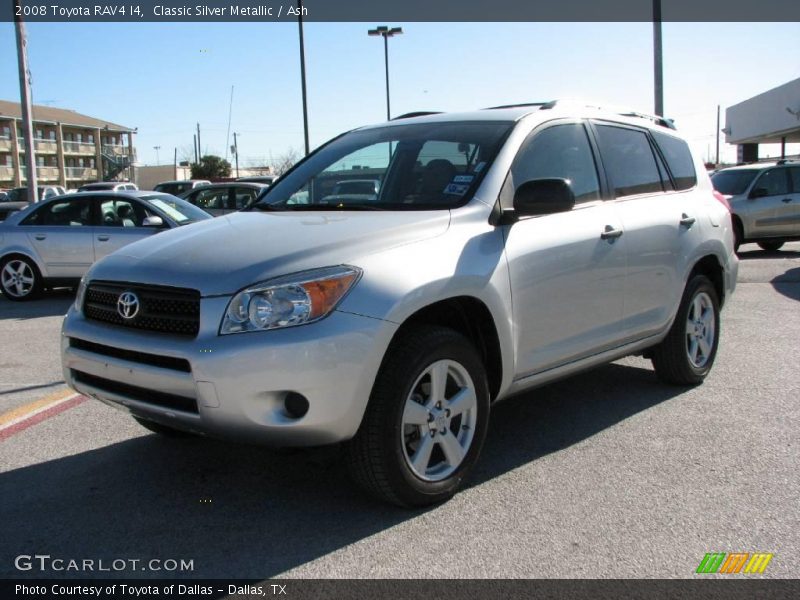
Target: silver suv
765, 202
506, 248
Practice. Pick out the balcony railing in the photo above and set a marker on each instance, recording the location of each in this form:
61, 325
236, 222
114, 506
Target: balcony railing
80, 172
79, 147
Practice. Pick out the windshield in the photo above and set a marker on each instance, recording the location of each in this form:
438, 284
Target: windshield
176, 209
398, 167
734, 182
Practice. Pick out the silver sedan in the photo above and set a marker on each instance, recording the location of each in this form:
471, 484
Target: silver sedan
54, 242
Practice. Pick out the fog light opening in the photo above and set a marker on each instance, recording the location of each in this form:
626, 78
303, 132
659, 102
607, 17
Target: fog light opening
296, 405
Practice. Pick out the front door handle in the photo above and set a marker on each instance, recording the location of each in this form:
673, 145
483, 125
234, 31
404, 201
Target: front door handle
102, 238
610, 233
787, 200
40, 236
687, 221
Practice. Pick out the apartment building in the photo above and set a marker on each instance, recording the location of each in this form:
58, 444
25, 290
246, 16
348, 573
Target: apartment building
70, 148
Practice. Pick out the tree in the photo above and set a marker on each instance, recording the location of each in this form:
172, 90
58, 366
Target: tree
284, 161
211, 167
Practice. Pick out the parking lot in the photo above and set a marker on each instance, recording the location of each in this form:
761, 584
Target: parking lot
609, 474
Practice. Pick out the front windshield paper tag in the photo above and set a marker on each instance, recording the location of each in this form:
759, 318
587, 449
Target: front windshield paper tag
463, 178
456, 188
479, 167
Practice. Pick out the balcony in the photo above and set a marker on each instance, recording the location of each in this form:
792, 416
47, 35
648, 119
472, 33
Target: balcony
6, 173
80, 148
82, 173
5, 143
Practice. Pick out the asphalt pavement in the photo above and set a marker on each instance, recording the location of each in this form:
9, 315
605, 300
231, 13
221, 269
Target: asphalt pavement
608, 474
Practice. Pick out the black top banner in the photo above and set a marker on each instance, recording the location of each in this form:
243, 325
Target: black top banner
399, 10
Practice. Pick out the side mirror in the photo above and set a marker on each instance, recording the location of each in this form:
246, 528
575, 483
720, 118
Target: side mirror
543, 197
759, 192
154, 221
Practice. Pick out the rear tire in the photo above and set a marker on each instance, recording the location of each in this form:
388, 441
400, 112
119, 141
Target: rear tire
426, 420
770, 246
20, 279
687, 354
738, 234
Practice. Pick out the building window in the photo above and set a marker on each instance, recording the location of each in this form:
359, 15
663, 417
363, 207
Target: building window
5, 132
90, 138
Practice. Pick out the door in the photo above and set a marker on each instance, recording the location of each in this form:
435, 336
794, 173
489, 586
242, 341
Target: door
791, 204
567, 270
661, 225
769, 205
61, 234
120, 224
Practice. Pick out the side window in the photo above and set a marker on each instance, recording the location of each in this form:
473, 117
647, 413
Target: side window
774, 181
212, 198
629, 161
121, 213
244, 197
679, 159
795, 174
561, 151
69, 213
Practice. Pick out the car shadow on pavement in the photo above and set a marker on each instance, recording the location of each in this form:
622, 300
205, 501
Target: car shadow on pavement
757, 252
251, 512
788, 284
52, 303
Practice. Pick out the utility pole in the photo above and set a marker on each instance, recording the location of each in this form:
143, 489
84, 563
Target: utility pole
303, 72
199, 147
27, 109
716, 161
158, 160
194, 147
657, 59
236, 153
175, 163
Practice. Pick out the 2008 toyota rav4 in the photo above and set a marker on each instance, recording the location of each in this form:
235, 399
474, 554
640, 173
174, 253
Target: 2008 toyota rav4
505, 248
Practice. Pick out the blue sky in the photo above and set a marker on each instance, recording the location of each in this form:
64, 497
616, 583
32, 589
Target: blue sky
164, 78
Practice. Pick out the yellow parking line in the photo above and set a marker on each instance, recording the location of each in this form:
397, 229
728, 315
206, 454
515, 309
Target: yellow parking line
35, 406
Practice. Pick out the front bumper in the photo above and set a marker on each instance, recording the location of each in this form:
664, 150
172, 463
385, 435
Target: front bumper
233, 386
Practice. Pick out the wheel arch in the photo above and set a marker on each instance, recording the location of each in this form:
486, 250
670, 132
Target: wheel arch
470, 317
711, 267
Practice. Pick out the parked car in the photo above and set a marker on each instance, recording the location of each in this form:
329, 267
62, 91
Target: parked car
268, 179
55, 241
223, 198
177, 188
354, 190
109, 186
765, 202
507, 248
17, 198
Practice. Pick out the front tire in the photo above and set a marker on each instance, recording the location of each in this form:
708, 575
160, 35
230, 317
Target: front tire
770, 246
687, 354
20, 280
426, 420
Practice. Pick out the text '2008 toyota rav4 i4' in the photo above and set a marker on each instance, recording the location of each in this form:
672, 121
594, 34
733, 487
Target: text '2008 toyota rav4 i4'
504, 248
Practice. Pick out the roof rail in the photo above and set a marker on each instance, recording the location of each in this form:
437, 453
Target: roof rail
419, 113
783, 161
623, 112
521, 105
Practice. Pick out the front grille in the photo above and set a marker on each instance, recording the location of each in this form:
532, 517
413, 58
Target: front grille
156, 360
170, 401
163, 309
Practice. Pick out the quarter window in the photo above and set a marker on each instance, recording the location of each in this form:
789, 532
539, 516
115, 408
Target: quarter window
561, 151
629, 161
679, 159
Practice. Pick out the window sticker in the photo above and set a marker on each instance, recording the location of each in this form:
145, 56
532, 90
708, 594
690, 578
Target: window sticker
479, 167
457, 189
463, 178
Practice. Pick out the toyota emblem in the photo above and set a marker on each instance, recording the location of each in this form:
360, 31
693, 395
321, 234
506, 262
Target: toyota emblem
128, 305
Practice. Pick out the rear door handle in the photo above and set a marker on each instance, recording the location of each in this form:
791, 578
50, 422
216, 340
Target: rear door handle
610, 233
787, 200
687, 221
40, 236
102, 238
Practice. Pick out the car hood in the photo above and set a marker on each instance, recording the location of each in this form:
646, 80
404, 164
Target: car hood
226, 254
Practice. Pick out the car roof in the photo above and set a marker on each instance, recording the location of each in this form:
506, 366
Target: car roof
753, 166
250, 184
181, 181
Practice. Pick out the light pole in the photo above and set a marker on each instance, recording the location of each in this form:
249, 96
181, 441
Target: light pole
658, 64
386, 33
303, 72
158, 160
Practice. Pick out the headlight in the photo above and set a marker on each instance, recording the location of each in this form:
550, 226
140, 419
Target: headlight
81, 293
288, 301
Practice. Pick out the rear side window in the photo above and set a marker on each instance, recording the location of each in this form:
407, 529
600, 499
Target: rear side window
679, 160
795, 173
774, 182
628, 160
